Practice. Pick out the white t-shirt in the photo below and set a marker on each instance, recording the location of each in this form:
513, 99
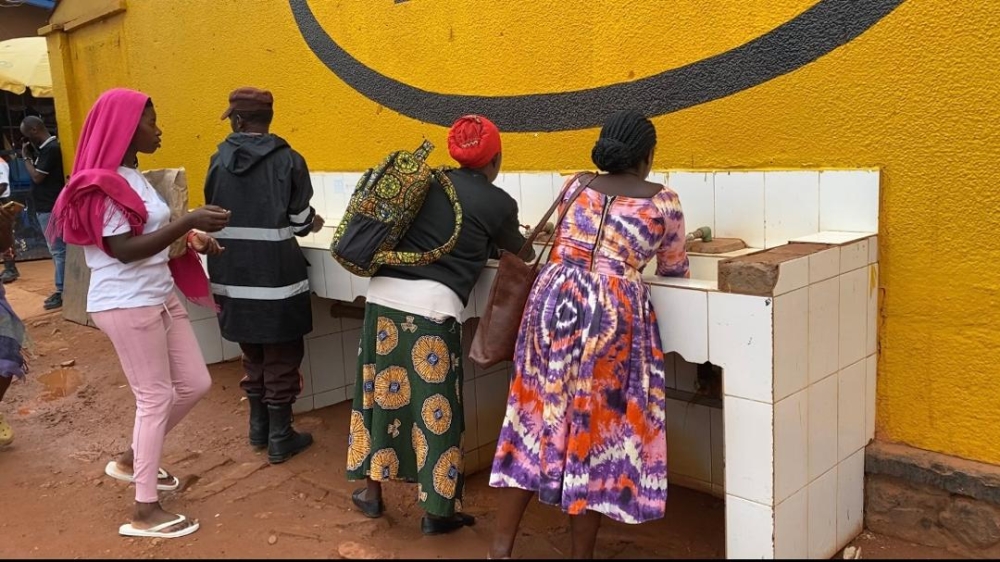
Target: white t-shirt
5, 177
425, 297
147, 282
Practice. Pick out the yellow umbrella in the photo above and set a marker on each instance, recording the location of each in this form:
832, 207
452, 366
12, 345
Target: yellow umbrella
24, 63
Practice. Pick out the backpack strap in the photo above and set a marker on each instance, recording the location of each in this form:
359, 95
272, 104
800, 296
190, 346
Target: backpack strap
435, 254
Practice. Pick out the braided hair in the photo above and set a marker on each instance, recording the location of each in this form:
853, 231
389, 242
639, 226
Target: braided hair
626, 140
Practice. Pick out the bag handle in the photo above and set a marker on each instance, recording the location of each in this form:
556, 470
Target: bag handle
562, 214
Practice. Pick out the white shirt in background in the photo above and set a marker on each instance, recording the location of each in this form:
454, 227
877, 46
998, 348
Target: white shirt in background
5, 177
147, 282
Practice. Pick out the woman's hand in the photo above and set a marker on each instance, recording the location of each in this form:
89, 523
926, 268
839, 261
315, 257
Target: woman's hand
210, 218
205, 244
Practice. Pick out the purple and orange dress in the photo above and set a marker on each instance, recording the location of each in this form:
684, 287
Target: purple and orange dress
585, 422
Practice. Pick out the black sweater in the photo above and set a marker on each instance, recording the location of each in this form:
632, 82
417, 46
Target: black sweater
489, 224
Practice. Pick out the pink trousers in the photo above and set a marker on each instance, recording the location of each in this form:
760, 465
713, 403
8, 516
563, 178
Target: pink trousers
164, 366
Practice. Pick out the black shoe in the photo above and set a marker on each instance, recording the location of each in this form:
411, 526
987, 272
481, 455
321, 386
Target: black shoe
369, 508
258, 421
437, 526
10, 274
283, 441
53, 302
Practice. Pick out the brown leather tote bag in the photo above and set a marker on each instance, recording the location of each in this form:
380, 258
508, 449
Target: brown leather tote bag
499, 323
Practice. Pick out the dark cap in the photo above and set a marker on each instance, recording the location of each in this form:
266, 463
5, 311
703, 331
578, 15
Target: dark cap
249, 99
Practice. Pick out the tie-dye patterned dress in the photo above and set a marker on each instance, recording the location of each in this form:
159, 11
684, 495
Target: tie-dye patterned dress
585, 422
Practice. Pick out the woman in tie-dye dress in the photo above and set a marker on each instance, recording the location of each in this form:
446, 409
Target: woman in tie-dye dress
585, 425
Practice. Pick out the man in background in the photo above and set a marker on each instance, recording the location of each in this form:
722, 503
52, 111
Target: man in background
43, 159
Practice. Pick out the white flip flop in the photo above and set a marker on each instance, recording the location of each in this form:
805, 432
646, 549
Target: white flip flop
127, 530
112, 470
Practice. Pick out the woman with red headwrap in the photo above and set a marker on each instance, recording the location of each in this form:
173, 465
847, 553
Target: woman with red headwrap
124, 226
409, 376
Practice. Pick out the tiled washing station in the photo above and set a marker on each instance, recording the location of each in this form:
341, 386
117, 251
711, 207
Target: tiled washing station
793, 330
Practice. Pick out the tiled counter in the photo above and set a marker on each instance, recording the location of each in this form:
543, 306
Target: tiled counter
785, 450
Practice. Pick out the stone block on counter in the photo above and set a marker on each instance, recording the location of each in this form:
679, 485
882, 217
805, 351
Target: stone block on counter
757, 273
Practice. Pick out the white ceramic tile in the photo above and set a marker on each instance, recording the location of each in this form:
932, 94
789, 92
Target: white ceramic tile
741, 343
749, 449
834, 237
347, 324
669, 373
230, 350
872, 314
471, 414
350, 342
323, 322
194, 311
317, 275
349, 391
472, 461
853, 316
511, 183
689, 440
326, 362
701, 267
792, 275
209, 339
791, 448
338, 280
683, 319
351, 180
690, 483
824, 265
791, 206
718, 447
318, 200
482, 289
696, 192
303, 405
873, 249
749, 529
871, 369
850, 498
853, 255
337, 197
822, 426
739, 207
329, 398
305, 369
791, 519
536, 197
686, 374
492, 391
849, 200
822, 526
791, 342
824, 328
851, 410
682, 283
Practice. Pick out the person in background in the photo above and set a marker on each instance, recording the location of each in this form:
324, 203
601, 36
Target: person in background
7, 254
585, 426
407, 418
43, 159
124, 226
12, 332
261, 281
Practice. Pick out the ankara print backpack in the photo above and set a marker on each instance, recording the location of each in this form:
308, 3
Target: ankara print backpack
381, 210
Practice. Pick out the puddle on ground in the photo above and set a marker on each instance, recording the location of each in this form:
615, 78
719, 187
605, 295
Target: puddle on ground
59, 383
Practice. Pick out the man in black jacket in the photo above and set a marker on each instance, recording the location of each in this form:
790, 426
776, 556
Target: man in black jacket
260, 281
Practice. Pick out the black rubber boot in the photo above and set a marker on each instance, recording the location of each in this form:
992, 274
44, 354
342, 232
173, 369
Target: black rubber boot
10, 272
258, 421
284, 442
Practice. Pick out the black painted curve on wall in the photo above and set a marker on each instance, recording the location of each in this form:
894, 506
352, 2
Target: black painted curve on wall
819, 30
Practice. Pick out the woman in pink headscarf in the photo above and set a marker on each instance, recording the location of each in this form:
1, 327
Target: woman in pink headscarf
124, 226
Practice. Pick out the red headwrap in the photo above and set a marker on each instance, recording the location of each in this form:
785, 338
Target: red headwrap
473, 141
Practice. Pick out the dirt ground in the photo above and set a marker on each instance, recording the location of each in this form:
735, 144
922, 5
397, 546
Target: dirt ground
70, 421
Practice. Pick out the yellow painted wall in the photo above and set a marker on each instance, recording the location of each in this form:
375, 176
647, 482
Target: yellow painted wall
916, 95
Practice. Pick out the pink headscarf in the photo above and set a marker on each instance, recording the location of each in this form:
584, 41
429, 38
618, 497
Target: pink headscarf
80, 211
